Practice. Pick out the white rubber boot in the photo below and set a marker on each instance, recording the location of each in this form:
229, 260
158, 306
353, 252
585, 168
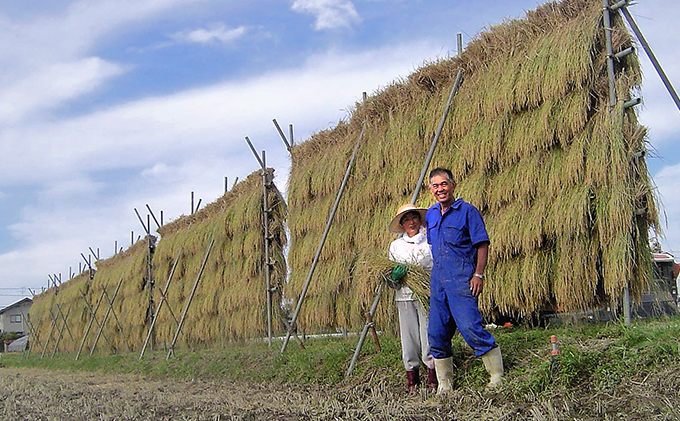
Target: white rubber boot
493, 361
444, 369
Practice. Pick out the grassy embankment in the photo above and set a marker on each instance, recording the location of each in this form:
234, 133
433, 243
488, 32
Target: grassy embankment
592, 357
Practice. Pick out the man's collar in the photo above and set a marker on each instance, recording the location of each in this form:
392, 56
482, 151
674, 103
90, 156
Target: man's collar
455, 205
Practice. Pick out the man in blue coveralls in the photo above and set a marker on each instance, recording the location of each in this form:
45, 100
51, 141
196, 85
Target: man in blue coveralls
460, 246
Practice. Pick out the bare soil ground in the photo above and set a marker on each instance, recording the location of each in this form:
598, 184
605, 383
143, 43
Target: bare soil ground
33, 394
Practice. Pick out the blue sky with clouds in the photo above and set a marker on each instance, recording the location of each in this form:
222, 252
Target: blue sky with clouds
106, 106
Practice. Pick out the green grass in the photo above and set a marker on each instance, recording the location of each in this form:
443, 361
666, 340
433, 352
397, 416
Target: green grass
592, 357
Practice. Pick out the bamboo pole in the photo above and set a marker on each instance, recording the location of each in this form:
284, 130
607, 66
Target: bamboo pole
283, 136
435, 140
93, 318
33, 330
160, 305
106, 316
610, 52
49, 335
350, 165
68, 330
652, 57
266, 237
61, 333
362, 338
191, 297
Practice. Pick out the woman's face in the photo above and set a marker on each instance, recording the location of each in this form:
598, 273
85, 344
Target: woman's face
411, 222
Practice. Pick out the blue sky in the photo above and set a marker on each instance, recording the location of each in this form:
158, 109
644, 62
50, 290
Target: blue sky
106, 106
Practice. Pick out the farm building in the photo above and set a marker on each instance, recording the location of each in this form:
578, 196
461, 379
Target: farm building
13, 317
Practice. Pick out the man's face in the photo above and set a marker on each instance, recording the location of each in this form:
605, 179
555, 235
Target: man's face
442, 189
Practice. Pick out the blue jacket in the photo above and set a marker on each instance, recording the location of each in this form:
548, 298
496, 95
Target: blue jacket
454, 238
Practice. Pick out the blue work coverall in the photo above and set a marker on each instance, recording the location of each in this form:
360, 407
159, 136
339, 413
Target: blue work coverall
454, 238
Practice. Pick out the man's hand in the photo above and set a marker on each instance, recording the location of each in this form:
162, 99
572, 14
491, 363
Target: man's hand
476, 286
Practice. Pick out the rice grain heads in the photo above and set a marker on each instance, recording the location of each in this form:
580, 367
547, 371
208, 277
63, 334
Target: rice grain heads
531, 142
230, 300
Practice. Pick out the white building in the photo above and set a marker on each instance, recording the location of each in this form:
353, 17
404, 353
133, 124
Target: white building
13, 317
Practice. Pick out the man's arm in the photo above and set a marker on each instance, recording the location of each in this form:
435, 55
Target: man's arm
476, 283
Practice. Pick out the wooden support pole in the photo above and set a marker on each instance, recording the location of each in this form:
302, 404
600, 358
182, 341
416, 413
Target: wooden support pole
160, 305
610, 52
158, 224
369, 317
106, 316
61, 331
283, 136
322, 241
266, 239
652, 56
149, 285
33, 332
374, 334
49, 334
367, 326
68, 330
435, 141
191, 297
119, 327
93, 318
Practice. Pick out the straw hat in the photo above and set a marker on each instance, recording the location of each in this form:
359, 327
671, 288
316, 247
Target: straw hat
394, 226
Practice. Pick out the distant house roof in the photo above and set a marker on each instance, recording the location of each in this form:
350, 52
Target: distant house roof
663, 257
18, 303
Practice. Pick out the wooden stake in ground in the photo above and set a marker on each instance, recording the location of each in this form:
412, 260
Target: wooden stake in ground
61, 331
106, 315
164, 299
171, 351
93, 318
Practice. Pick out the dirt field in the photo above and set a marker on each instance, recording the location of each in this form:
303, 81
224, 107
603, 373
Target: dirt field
30, 394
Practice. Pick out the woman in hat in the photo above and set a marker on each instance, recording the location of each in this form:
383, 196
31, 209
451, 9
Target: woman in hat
411, 247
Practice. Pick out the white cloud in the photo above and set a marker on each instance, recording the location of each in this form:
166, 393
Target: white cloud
186, 123
168, 146
329, 14
220, 34
157, 170
45, 60
53, 85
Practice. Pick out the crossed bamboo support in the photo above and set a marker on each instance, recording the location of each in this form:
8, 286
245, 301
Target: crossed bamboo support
164, 299
171, 351
109, 310
61, 330
49, 334
33, 335
93, 318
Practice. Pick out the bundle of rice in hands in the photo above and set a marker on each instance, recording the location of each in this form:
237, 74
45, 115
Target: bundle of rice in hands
380, 267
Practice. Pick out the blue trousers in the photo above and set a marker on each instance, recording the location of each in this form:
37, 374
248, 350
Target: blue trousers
452, 307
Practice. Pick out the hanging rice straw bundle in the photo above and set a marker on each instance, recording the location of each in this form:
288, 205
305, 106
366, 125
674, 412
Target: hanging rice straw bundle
379, 267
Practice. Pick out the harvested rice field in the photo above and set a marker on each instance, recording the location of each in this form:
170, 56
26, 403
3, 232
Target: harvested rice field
604, 371
35, 394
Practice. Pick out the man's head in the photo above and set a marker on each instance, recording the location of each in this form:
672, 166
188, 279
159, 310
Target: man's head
442, 186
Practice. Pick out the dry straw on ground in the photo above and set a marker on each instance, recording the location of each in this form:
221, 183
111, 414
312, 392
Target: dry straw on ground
531, 142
